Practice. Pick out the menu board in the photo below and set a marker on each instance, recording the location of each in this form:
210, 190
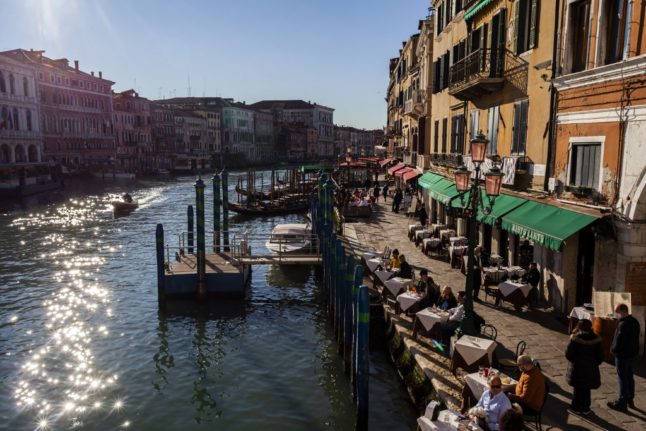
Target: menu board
605, 302
636, 282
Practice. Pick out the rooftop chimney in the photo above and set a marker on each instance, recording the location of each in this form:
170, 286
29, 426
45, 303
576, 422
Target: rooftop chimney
100, 74
92, 73
76, 64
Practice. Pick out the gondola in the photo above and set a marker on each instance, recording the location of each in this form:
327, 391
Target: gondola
268, 208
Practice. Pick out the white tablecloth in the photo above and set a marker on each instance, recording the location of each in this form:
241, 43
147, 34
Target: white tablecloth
446, 234
384, 274
514, 270
431, 242
396, 284
582, 313
459, 250
494, 274
446, 421
414, 227
473, 348
368, 255
422, 233
458, 240
428, 318
478, 384
407, 299
437, 227
495, 259
373, 263
508, 287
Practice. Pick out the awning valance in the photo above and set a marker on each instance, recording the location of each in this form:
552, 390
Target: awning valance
428, 179
395, 168
411, 175
503, 204
401, 172
443, 191
384, 162
546, 225
475, 9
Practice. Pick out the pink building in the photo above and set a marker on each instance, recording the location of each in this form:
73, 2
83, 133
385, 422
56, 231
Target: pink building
76, 111
133, 131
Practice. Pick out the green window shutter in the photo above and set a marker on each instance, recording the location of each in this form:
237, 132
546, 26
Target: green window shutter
502, 33
533, 24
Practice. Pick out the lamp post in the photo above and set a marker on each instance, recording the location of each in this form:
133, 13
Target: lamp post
463, 183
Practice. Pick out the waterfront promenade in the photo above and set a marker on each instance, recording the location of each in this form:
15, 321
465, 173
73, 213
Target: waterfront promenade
544, 331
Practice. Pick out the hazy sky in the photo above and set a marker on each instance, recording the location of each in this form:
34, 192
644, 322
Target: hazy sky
332, 52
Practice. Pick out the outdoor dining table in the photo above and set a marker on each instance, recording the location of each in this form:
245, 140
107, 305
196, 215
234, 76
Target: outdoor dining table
431, 321
514, 271
577, 314
455, 253
495, 259
476, 384
396, 284
437, 227
421, 234
458, 240
445, 234
406, 300
447, 420
514, 292
412, 228
429, 244
470, 352
375, 262
384, 274
494, 274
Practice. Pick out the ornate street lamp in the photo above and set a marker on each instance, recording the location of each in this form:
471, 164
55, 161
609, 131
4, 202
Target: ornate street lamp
493, 182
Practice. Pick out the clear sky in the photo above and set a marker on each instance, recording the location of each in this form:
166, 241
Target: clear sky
332, 52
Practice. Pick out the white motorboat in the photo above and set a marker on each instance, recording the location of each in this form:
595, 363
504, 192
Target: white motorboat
289, 238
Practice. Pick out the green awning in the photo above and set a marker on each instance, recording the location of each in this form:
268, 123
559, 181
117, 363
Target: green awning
427, 180
503, 204
475, 9
546, 225
443, 191
456, 202
315, 168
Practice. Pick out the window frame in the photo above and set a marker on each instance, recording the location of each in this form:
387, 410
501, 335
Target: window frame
520, 127
575, 141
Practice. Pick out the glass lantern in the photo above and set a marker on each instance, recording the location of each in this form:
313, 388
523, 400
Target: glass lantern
479, 148
462, 178
493, 182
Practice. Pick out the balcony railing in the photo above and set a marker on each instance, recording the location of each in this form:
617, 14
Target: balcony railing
486, 71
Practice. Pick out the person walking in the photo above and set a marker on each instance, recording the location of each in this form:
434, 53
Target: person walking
584, 353
397, 200
384, 191
625, 347
376, 191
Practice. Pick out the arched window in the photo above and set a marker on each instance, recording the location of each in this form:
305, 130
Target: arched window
5, 154
32, 154
16, 119
4, 118
25, 87
3, 88
12, 86
21, 157
29, 126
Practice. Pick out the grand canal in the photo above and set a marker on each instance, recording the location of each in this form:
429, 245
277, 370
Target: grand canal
84, 346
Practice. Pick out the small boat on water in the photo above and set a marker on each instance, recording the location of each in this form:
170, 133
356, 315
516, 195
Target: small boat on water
290, 238
268, 208
125, 205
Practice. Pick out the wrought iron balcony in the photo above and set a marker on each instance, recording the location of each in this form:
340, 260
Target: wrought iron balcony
485, 71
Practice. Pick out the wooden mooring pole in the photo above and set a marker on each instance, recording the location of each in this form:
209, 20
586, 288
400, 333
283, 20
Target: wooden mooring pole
216, 213
189, 228
201, 246
159, 241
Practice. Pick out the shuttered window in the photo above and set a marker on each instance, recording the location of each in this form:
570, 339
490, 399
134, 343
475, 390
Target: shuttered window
475, 123
492, 129
457, 134
526, 16
585, 164
445, 125
436, 137
519, 143
440, 19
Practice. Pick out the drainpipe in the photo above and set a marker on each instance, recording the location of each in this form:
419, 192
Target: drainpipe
551, 144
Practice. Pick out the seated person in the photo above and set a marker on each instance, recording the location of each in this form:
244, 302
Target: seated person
494, 402
511, 420
394, 260
430, 292
405, 270
530, 389
446, 300
127, 198
456, 314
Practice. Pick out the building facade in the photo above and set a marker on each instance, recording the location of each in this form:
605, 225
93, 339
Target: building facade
133, 132
75, 111
600, 124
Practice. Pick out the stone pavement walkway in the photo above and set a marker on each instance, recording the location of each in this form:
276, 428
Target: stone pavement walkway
545, 333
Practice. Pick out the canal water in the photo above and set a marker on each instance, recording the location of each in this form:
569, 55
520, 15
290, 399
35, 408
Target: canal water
84, 346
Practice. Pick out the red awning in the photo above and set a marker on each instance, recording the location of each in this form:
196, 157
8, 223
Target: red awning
401, 172
412, 174
354, 164
384, 162
396, 168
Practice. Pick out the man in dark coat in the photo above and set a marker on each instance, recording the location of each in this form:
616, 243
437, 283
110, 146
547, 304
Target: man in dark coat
625, 346
533, 277
584, 353
397, 199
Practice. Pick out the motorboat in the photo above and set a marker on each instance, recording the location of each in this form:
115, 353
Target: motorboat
125, 205
290, 237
